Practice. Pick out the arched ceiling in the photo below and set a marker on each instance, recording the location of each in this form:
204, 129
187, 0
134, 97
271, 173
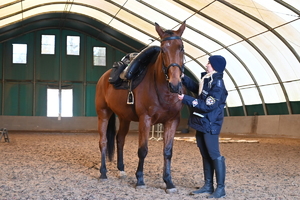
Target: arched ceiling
259, 39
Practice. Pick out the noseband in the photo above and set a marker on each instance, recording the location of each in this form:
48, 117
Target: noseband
164, 68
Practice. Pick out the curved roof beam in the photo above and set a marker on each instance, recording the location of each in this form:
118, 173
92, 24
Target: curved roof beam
288, 6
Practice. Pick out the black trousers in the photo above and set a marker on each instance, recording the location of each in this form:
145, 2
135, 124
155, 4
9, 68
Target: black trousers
208, 145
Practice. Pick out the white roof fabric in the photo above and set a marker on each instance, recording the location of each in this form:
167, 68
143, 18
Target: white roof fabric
259, 39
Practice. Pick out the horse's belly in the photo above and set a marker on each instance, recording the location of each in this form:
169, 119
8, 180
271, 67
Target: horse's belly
117, 102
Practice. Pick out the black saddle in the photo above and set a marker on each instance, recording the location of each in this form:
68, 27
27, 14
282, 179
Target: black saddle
130, 71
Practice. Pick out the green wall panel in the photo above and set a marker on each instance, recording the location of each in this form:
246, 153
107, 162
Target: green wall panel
72, 66
90, 100
295, 107
255, 110
277, 109
25, 99
18, 99
19, 71
78, 100
41, 99
46, 65
11, 98
236, 111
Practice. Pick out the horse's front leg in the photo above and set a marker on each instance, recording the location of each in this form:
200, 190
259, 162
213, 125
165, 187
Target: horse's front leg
144, 128
123, 130
169, 133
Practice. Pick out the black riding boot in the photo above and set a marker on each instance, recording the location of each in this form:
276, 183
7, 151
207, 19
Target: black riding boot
220, 168
208, 171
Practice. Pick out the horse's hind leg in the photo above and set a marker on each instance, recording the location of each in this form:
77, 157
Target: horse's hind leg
123, 130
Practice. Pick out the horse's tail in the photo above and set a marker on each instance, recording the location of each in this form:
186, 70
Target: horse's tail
110, 135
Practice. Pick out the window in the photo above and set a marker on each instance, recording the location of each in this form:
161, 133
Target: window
99, 56
73, 44
53, 102
20, 53
48, 44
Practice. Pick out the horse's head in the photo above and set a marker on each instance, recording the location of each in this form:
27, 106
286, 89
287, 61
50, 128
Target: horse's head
172, 53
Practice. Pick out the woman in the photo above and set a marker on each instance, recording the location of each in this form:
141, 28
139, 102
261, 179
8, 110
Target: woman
207, 114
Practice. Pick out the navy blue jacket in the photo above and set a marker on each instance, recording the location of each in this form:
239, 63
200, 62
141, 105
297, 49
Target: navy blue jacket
207, 109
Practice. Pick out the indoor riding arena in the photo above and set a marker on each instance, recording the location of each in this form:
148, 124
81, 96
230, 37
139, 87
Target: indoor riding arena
53, 52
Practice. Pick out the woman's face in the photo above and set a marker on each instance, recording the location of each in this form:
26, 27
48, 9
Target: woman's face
209, 68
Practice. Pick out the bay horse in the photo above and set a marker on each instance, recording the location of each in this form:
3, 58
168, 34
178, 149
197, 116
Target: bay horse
156, 101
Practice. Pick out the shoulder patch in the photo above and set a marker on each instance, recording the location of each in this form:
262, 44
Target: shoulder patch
210, 101
195, 102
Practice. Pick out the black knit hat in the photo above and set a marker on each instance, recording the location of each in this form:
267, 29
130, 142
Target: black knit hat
218, 62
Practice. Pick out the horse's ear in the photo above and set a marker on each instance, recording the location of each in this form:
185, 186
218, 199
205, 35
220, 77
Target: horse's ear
159, 30
181, 29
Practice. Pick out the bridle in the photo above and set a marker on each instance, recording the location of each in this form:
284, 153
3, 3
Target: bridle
164, 68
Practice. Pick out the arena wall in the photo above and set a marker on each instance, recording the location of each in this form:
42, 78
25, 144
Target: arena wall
271, 125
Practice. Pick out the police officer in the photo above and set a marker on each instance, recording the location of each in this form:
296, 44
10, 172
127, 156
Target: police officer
207, 114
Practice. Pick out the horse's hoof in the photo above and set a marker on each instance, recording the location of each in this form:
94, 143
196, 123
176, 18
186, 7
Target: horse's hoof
103, 179
140, 186
123, 174
171, 191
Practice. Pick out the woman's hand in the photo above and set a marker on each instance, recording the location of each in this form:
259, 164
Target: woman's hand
180, 96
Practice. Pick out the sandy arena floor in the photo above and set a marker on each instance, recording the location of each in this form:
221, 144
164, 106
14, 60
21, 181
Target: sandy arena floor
66, 166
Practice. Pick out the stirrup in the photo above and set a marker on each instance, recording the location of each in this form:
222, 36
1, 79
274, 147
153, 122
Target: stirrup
130, 98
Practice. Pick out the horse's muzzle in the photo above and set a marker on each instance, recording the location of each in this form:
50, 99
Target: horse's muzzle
175, 88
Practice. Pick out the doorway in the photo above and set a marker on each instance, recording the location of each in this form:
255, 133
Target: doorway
54, 100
